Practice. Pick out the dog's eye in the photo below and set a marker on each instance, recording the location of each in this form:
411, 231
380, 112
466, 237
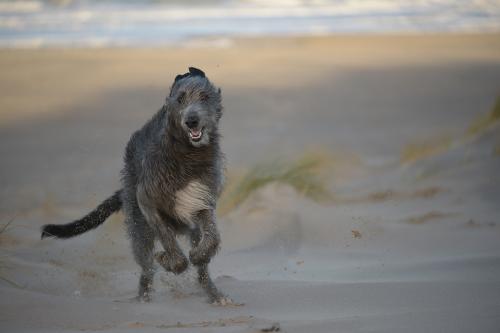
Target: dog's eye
204, 97
181, 97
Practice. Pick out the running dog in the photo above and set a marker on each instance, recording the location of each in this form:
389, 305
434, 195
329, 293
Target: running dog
171, 180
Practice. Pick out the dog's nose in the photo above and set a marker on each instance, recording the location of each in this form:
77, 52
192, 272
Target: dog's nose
192, 121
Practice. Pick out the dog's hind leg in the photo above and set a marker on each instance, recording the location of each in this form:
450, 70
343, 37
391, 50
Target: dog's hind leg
142, 237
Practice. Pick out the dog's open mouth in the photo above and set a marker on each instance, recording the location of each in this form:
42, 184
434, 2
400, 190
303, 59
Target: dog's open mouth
195, 134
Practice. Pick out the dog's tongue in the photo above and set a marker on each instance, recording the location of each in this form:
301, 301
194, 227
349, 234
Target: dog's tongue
195, 133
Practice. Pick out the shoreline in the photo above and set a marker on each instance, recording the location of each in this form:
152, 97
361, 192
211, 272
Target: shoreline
263, 40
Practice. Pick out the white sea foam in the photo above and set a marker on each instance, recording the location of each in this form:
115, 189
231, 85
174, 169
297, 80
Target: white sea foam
20, 6
81, 23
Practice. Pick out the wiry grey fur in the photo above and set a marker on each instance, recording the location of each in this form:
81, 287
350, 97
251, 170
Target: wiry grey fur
172, 178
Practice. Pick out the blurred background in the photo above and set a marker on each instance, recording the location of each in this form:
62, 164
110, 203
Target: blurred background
362, 141
85, 23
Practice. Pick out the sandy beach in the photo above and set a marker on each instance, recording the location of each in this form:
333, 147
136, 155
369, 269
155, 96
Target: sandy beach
407, 241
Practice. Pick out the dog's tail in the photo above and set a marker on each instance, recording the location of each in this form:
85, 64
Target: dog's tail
91, 221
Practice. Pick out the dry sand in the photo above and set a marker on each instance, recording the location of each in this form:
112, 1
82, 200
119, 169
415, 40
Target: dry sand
403, 247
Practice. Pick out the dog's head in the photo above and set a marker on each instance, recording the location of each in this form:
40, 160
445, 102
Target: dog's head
195, 107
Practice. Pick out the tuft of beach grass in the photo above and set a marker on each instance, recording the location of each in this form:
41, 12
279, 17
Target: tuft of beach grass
418, 151
304, 174
486, 121
3, 229
496, 150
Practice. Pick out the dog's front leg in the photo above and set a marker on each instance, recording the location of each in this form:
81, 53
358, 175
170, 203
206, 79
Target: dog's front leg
215, 297
210, 238
172, 259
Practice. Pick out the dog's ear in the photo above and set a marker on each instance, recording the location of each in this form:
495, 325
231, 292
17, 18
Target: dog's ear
196, 72
192, 72
181, 76
177, 79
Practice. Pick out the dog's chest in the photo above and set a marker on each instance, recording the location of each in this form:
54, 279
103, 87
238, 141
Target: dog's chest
194, 197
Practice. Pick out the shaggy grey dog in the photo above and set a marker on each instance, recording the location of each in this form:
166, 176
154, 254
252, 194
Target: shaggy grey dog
172, 178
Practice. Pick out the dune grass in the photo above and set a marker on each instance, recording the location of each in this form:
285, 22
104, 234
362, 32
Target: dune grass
484, 122
4, 227
417, 151
430, 216
496, 150
3, 278
305, 175
3, 264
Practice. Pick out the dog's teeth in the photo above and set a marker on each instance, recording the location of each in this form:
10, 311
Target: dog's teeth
195, 134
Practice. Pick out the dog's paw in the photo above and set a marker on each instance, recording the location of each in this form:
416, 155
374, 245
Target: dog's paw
175, 264
199, 257
144, 298
224, 301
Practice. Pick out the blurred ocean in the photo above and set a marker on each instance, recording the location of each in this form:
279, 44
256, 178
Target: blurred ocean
94, 23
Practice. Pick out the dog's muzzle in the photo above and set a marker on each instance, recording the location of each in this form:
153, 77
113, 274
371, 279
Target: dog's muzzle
195, 134
193, 124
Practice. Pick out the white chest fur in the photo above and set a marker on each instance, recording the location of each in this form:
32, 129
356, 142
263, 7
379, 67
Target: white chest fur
191, 199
